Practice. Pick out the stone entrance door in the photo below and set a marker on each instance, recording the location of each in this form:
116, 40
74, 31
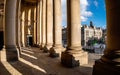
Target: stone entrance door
1, 40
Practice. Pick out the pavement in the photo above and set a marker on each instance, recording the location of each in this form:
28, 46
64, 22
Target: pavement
33, 61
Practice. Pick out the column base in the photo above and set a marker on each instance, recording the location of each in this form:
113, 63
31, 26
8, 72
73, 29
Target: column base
56, 51
36, 45
11, 53
102, 68
22, 45
41, 47
74, 60
47, 48
19, 51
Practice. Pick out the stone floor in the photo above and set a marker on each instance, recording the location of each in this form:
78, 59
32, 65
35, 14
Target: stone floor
34, 62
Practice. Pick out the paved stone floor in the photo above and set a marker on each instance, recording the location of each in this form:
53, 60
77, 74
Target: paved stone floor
34, 62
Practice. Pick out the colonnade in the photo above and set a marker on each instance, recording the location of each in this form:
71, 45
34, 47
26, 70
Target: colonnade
43, 21
49, 33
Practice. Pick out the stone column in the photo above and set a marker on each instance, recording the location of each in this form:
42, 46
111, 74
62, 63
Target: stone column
35, 26
18, 25
23, 29
26, 25
10, 30
57, 29
29, 22
32, 26
43, 23
40, 23
74, 55
109, 64
49, 31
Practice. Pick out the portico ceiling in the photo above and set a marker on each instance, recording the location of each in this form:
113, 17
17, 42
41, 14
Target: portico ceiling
32, 1
26, 1
1, 6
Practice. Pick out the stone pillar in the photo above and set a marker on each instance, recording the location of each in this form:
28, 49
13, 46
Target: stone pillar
43, 23
74, 55
10, 30
34, 25
29, 22
57, 29
18, 25
23, 28
109, 64
40, 23
49, 31
26, 25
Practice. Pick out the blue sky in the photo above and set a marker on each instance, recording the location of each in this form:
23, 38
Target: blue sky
91, 10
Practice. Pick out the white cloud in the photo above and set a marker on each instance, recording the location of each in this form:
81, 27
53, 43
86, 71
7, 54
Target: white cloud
85, 14
95, 3
84, 11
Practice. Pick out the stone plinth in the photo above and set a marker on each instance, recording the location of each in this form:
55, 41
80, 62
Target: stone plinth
73, 60
102, 68
56, 51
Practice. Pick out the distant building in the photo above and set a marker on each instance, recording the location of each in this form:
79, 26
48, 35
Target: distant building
90, 32
87, 33
104, 35
64, 36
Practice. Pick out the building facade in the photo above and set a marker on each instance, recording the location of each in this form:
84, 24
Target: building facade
90, 32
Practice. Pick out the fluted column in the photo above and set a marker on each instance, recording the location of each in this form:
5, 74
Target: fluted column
110, 61
49, 31
74, 55
43, 23
10, 30
57, 29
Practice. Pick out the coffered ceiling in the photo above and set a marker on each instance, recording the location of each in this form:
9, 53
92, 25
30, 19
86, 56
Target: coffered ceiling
23, 1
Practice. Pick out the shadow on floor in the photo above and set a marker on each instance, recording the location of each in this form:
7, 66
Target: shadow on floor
34, 62
3, 70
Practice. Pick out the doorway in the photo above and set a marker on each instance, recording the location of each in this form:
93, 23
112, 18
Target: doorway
1, 40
